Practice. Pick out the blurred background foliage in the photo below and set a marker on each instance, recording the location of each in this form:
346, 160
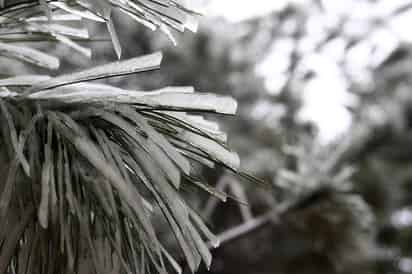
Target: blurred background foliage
325, 116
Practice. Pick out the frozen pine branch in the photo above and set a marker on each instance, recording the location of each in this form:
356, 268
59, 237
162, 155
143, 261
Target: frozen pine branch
84, 164
50, 20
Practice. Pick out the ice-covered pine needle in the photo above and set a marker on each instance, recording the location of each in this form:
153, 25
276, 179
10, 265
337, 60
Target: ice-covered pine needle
86, 164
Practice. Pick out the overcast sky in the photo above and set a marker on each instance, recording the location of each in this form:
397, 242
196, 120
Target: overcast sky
327, 107
316, 103
237, 10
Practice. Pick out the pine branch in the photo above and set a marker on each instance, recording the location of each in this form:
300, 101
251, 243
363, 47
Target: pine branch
93, 161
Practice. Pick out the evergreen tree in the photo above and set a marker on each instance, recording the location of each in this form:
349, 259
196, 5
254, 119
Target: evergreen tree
85, 165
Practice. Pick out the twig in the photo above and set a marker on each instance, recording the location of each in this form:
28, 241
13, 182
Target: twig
239, 193
255, 223
212, 202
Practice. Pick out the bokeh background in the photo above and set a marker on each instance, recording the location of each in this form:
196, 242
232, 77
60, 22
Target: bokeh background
325, 117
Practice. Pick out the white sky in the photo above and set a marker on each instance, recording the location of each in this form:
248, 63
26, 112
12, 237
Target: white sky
326, 110
325, 97
238, 10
